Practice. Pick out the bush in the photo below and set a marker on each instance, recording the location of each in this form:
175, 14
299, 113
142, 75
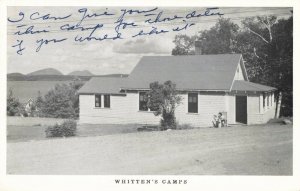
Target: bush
13, 106
168, 121
66, 129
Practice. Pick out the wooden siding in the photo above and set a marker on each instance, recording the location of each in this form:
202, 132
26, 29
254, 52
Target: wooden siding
239, 73
125, 110
257, 114
208, 105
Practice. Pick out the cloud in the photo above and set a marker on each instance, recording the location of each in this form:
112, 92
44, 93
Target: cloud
144, 46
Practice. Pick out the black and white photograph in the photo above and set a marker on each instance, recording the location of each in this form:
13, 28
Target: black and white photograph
149, 90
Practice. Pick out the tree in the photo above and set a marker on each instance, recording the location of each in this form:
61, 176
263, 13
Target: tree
163, 99
39, 103
14, 107
220, 39
58, 102
76, 84
270, 56
184, 45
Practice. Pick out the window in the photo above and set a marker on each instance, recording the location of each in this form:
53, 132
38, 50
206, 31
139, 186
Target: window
143, 102
268, 100
107, 101
97, 100
193, 103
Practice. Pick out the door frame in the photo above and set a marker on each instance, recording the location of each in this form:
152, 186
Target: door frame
245, 111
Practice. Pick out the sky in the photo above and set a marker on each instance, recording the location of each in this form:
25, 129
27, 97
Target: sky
108, 56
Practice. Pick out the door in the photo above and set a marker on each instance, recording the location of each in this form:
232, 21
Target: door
241, 109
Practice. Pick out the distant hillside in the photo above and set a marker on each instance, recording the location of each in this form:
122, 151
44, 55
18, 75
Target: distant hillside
46, 71
16, 77
81, 73
16, 74
46, 78
34, 76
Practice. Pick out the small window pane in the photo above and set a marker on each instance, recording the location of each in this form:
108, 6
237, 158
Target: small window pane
143, 102
97, 100
194, 99
193, 103
107, 101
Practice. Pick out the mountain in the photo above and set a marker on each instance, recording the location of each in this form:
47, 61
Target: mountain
45, 72
16, 74
81, 73
15, 77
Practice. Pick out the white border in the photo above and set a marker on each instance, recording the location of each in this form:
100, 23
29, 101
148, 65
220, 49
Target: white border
74, 183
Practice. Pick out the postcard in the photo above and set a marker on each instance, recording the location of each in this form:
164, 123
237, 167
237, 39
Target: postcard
149, 97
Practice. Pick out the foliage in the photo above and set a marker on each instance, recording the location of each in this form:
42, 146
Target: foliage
163, 99
267, 47
14, 107
66, 129
60, 102
220, 39
184, 45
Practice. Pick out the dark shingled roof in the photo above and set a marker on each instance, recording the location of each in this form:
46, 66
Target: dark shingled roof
240, 85
192, 72
108, 85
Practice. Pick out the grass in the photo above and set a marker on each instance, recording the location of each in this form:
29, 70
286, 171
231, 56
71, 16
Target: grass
241, 150
33, 128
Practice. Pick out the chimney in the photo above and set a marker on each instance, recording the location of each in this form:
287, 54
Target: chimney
198, 50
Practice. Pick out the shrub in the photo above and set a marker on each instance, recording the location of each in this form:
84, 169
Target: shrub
13, 106
66, 129
168, 121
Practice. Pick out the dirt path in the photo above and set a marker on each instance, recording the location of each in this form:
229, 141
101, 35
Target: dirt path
251, 150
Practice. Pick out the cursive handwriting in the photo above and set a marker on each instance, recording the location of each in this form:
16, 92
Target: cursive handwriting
122, 24
159, 18
37, 16
89, 25
153, 31
208, 12
29, 30
19, 46
41, 42
86, 15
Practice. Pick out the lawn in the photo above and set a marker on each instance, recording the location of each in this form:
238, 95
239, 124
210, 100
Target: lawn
241, 150
33, 128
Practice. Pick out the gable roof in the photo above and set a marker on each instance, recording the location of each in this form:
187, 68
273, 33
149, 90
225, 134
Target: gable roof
192, 72
105, 85
189, 73
240, 85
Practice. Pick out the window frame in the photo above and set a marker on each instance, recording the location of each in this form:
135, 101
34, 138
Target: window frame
193, 104
99, 100
145, 102
106, 98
